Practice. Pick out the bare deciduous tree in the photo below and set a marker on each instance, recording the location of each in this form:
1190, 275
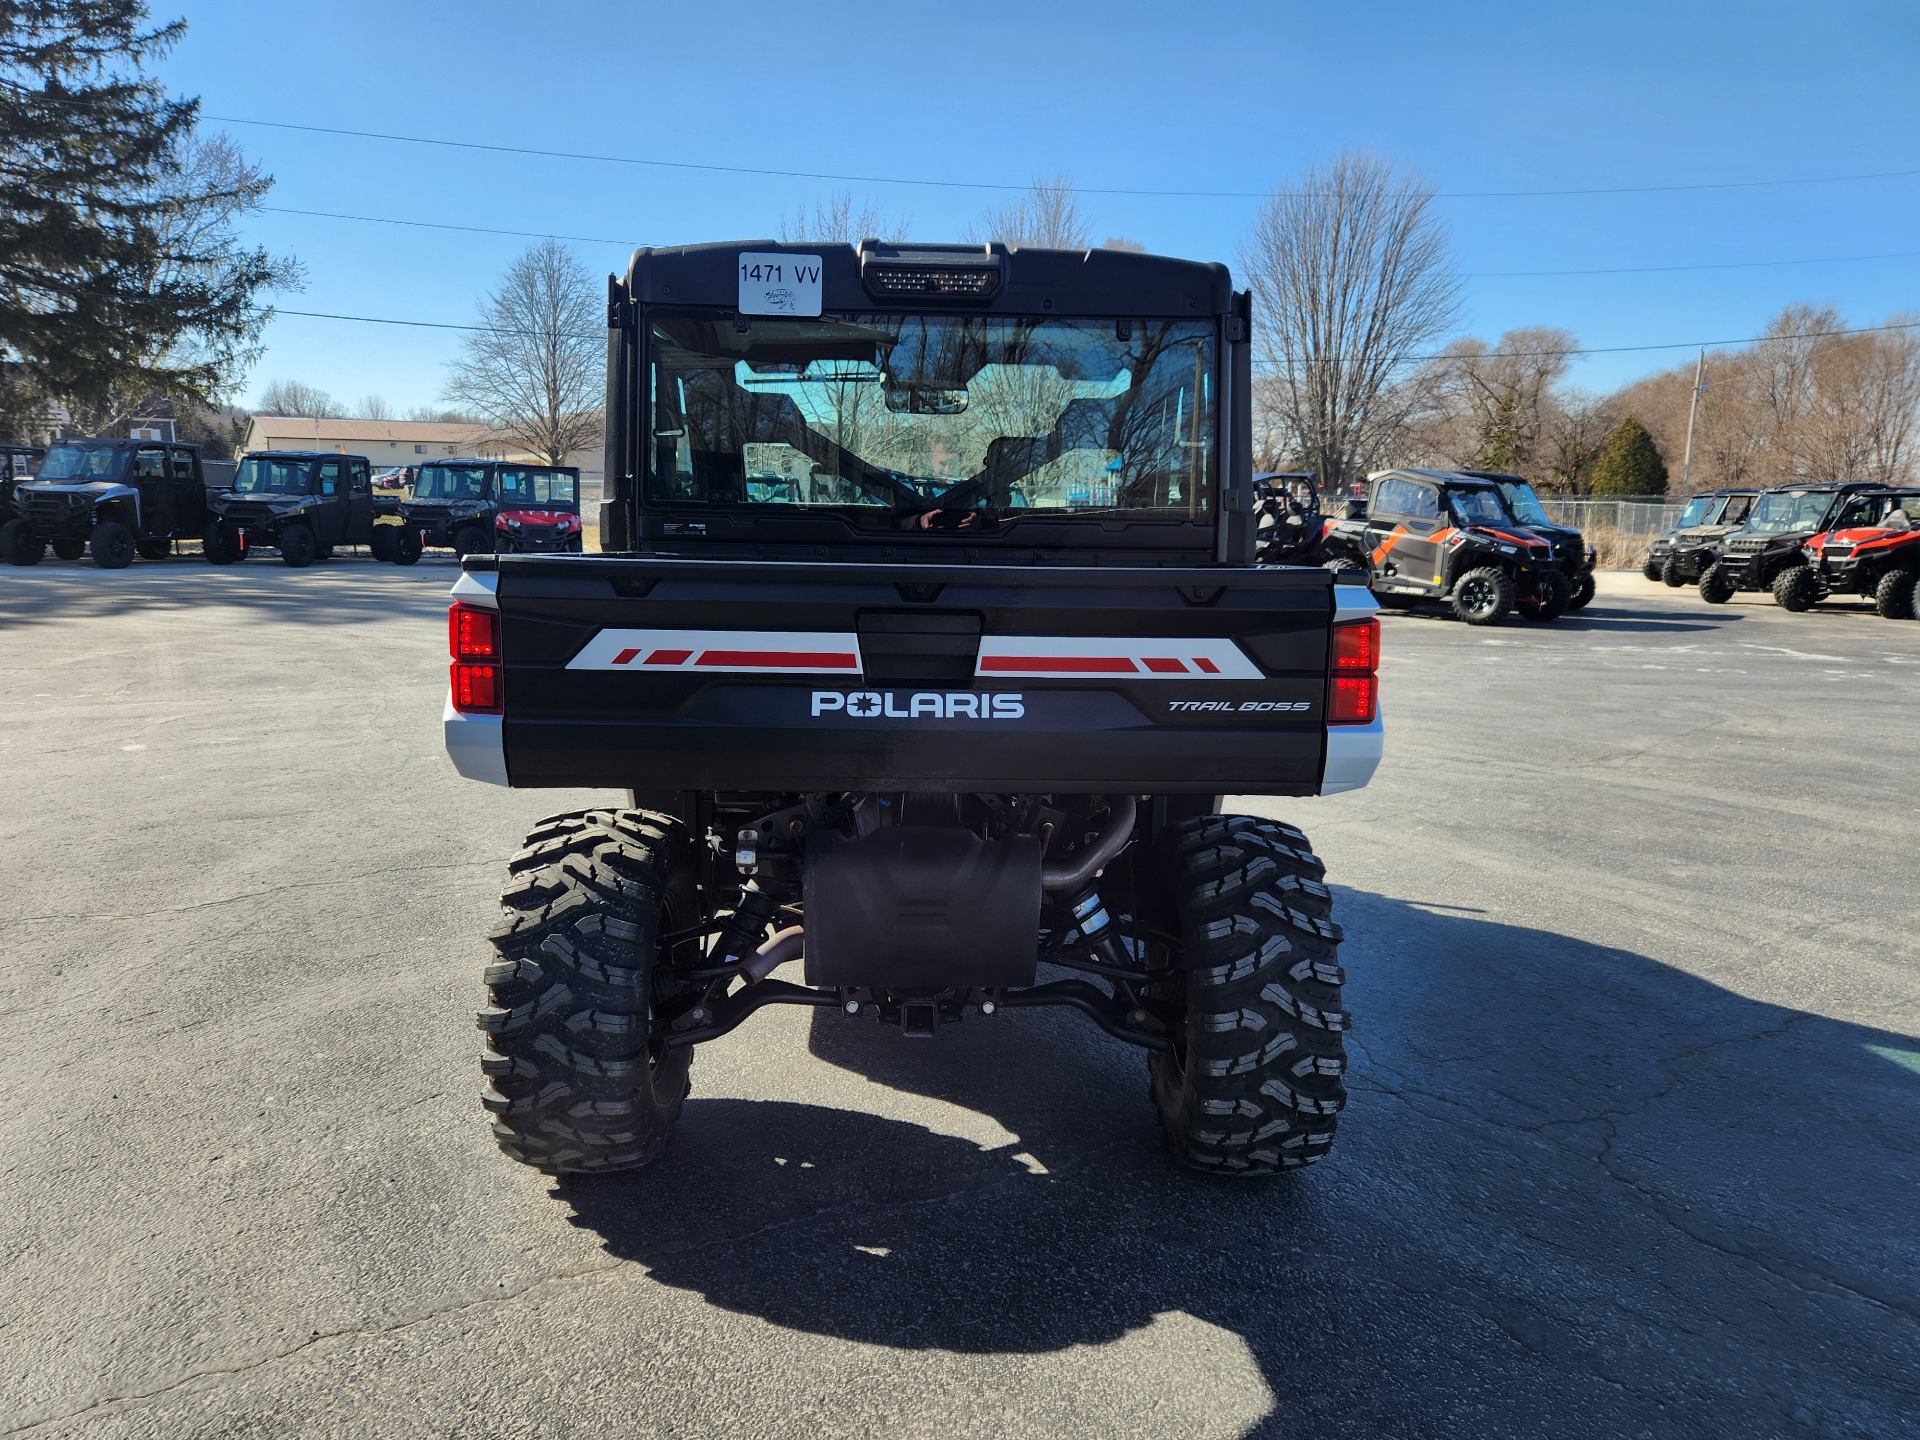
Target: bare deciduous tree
1857, 421
1492, 405
535, 369
373, 407
1121, 242
296, 397
1047, 217
1805, 402
1351, 280
440, 415
841, 220
1573, 438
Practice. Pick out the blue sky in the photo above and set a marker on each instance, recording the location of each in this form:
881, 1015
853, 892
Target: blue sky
1222, 97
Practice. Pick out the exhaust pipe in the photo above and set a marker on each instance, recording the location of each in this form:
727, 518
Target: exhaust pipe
776, 950
1071, 874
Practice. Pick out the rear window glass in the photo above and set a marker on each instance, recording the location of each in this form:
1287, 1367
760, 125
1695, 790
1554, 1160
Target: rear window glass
528, 486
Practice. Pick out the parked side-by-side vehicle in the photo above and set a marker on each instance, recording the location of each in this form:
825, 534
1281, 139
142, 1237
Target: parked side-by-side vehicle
1680, 554
1759, 555
475, 507
945, 722
1444, 535
113, 498
1577, 558
302, 503
1872, 550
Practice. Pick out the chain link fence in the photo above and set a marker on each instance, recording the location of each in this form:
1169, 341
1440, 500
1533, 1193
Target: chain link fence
1630, 515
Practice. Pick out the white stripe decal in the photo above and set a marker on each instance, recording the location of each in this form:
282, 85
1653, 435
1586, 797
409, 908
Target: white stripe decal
722, 652
1002, 657
1057, 657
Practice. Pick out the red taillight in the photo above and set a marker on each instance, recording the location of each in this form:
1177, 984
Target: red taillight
476, 688
473, 633
1353, 690
1353, 702
1356, 646
473, 636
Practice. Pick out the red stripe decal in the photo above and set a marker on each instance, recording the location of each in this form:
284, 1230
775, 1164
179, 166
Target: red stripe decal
625, 657
1166, 666
1206, 665
780, 659
666, 657
1062, 664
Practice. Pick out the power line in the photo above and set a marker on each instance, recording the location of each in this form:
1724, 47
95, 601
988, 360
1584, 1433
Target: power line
1003, 186
1678, 344
1714, 265
1441, 355
440, 225
1469, 275
767, 172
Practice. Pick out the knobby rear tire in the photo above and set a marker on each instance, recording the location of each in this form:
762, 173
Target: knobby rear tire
1253, 1085
1549, 600
578, 1082
1894, 596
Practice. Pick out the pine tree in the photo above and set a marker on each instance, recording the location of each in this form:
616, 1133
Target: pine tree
1631, 463
119, 271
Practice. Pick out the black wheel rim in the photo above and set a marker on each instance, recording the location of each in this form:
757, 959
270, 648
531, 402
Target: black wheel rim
1476, 594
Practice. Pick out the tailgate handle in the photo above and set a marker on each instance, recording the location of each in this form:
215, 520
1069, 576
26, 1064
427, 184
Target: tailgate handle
919, 647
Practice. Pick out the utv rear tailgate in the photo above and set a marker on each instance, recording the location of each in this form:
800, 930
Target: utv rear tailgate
732, 675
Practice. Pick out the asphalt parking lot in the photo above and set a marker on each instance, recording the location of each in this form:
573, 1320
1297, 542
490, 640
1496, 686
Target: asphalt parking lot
1631, 910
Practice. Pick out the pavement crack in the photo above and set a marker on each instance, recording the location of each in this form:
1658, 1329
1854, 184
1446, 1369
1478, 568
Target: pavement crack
590, 1272
334, 884
319, 1338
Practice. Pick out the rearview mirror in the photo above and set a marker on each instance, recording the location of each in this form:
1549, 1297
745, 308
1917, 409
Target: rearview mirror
926, 400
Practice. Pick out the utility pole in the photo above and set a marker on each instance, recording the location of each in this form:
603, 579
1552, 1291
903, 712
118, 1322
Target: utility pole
1693, 413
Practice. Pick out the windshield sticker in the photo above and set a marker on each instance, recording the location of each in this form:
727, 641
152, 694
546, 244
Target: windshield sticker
779, 284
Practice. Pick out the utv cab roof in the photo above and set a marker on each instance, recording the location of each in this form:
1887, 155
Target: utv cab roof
476, 460
991, 278
300, 455
1458, 479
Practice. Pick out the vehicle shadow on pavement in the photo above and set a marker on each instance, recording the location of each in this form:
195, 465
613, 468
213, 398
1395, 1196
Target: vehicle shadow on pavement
344, 590
1594, 617
1574, 1188
1599, 617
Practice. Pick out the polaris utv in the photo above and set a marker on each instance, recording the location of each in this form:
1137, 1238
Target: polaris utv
539, 510
1577, 558
1873, 549
475, 507
117, 498
1289, 526
17, 463
302, 503
1443, 535
946, 720
1781, 522
1680, 554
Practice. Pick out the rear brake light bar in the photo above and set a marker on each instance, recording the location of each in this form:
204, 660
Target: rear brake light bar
1353, 686
473, 639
